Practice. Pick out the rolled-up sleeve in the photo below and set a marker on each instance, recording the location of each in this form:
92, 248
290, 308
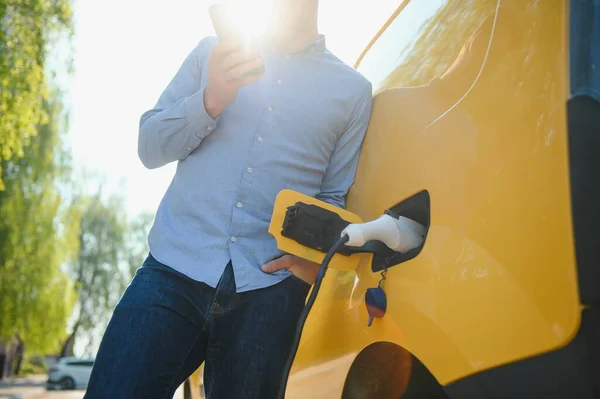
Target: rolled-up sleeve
179, 122
344, 160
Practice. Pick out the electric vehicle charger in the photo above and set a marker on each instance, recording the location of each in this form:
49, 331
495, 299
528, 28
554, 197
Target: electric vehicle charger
397, 233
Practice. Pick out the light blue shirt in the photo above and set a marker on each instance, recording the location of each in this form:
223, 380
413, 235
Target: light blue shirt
299, 127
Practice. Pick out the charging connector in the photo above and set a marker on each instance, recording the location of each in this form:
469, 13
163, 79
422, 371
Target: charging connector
400, 235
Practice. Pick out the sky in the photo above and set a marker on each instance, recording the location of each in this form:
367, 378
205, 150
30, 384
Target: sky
126, 52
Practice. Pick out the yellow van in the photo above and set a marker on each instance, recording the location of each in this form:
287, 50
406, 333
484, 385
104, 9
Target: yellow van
486, 129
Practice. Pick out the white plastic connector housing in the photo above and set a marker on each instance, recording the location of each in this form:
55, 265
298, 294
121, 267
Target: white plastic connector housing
400, 235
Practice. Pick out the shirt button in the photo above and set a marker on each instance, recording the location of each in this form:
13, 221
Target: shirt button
249, 170
233, 238
189, 149
270, 109
279, 81
239, 205
260, 138
210, 128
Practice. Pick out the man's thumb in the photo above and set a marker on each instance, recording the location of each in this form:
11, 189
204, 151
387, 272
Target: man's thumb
268, 267
274, 265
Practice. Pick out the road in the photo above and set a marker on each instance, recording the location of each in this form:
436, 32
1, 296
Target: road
34, 388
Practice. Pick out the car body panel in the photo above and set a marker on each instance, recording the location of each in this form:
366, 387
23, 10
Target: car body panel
79, 370
496, 281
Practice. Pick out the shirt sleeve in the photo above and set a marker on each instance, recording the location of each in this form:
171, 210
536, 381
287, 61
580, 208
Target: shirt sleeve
177, 124
344, 160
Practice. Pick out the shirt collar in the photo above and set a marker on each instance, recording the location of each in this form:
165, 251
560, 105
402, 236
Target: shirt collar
319, 45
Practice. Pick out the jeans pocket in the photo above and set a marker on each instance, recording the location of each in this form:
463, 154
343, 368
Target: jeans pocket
297, 280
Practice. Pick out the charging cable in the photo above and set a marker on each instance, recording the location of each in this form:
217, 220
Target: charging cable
304, 315
399, 234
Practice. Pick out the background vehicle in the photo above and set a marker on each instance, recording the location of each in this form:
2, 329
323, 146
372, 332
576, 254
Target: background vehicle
70, 373
489, 112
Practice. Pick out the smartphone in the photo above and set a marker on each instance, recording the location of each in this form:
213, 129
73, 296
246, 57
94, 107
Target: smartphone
225, 26
223, 21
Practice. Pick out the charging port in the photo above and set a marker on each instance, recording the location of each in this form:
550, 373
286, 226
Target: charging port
309, 224
314, 227
416, 208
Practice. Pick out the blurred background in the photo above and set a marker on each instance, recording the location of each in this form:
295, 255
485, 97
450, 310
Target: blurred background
75, 201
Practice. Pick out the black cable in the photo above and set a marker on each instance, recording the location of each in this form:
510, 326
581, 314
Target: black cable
304, 315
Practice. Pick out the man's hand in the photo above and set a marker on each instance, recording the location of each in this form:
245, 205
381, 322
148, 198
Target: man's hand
301, 268
227, 66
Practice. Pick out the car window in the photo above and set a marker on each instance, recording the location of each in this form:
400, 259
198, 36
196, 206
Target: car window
81, 363
585, 48
424, 41
390, 49
348, 36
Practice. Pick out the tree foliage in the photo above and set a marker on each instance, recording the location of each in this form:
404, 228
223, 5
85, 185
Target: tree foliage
111, 247
96, 271
37, 236
27, 27
65, 256
136, 246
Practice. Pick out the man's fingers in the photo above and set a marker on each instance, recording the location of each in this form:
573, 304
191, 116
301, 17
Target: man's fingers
246, 80
280, 263
301, 268
222, 49
239, 71
236, 58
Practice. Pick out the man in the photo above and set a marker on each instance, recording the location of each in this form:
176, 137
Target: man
215, 287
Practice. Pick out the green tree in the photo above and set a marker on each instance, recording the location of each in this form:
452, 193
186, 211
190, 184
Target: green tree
111, 247
97, 271
136, 245
27, 27
37, 236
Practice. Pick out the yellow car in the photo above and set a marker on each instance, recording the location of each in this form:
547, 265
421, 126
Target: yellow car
486, 129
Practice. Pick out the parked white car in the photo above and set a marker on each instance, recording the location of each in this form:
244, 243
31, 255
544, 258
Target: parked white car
70, 373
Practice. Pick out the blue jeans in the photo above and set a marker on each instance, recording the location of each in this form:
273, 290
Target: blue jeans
167, 324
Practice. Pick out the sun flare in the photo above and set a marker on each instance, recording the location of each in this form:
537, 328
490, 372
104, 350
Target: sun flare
251, 18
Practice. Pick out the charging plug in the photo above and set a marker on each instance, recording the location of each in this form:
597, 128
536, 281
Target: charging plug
400, 235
